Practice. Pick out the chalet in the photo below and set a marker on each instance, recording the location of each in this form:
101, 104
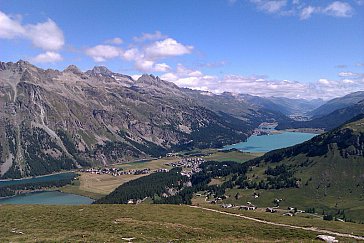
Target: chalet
248, 208
270, 210
227, 205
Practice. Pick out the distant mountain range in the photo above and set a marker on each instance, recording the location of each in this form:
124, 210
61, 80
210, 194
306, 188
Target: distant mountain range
337, 103
57, 120
332, 114
54, 120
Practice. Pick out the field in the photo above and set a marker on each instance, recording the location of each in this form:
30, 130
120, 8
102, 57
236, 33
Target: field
97, 186
303, 219
236, 156
143, 223
319, 187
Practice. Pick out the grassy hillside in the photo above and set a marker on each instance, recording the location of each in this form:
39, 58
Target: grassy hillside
324, 174
144, 223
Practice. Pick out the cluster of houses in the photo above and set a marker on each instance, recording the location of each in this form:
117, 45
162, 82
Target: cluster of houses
101, 171
119, 171
192, 164
247, 207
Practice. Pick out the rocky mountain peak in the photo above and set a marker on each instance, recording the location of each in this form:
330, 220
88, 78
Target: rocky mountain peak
73, 69
101, 70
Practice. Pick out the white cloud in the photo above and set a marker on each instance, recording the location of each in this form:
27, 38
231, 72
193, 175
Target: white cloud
144, 65
360, 2
307, 12
303, 10
47, 35
348, 81
10, 27
166, 48
262, 86
48, 56
348, 74
339, 9
150, 36
161, 67
270, 6
324, 81
145, 57
101, 53
115, 41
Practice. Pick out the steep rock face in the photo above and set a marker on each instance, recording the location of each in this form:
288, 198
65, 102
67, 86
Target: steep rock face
52, 120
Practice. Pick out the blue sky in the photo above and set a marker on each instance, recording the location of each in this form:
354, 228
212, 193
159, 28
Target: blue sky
292, 48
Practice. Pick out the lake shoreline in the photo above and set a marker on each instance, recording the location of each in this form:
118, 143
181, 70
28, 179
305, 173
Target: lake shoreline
39, 192
272, 141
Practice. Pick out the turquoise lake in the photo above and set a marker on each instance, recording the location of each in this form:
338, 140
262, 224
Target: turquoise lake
267, 143
47, 197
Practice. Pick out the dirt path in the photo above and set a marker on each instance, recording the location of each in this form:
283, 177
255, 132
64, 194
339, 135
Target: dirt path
283, 225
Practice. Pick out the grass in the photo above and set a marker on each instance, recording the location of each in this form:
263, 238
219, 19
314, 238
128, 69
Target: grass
151, 164
96, 186
303, 219
144, 223
236, 156
328, 184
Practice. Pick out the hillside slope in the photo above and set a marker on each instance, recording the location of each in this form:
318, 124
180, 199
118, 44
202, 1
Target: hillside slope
337, 103
58, 120
326, 172
329, 121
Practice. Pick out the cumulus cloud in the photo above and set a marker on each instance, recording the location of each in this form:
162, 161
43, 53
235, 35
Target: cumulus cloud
339, 9
348, 74
150, 37
303, 9
270, 6
166, 48
146, 52
161, 67
101, 53
261, 85
10, 27
307, 12
115, 41
360, 2
146, 57
48, 56
46, 35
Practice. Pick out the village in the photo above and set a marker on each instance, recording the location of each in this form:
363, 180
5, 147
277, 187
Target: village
119, 171
190, 166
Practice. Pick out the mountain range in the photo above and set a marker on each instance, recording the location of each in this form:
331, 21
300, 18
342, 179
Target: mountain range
54, 120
